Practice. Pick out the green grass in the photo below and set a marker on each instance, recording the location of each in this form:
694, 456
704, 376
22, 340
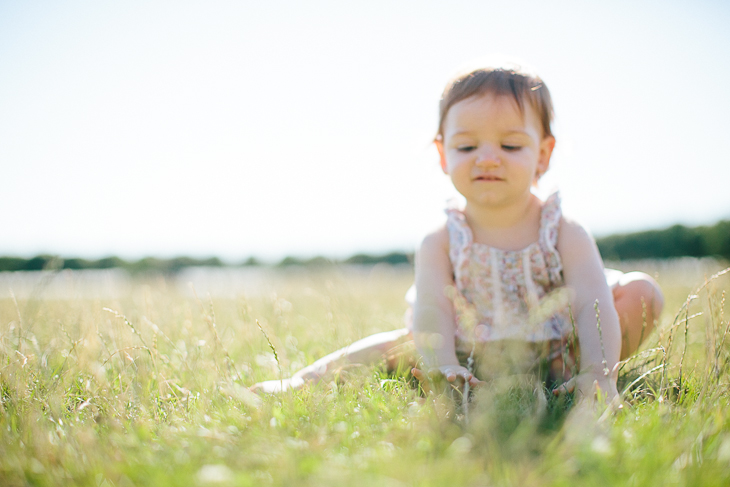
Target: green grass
152, 391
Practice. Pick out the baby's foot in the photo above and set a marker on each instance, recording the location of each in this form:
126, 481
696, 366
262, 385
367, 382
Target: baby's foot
276, 386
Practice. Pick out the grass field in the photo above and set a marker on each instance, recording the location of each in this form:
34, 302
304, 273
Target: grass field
146, 383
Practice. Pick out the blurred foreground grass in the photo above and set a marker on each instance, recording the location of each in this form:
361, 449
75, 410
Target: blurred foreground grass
149, 387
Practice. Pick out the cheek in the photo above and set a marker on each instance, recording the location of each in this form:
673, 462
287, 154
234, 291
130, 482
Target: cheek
457, 170
460, 167
461, 159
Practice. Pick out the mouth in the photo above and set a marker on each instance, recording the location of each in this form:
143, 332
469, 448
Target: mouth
488, 178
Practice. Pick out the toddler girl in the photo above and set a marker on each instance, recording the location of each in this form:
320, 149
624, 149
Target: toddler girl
505, 282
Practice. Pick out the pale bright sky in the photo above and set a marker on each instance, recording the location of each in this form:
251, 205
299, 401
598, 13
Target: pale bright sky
238, 128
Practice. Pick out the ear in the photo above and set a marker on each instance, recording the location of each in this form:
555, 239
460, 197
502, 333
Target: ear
440, 147
546, 150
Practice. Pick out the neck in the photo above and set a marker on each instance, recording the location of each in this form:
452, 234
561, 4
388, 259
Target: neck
505, 216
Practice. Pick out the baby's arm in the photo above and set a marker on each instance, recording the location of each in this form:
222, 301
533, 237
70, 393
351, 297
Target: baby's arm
433, 313
583, 273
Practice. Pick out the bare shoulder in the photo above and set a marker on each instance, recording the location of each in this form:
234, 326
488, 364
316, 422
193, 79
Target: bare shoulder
433, 265
572, 236
435, 242
582, 263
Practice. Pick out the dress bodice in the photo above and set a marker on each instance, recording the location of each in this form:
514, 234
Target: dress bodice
508, 294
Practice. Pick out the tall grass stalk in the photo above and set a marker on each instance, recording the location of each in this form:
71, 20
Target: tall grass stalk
604, 362
273, 350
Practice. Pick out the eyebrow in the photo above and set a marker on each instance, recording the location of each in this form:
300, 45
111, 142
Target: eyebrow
506, 132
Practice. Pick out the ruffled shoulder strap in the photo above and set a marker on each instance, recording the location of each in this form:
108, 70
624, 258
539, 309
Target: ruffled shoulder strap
549, 224
460, 236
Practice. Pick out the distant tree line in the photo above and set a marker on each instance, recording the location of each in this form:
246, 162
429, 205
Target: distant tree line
675, 241
392, 258
148, 264
152, 264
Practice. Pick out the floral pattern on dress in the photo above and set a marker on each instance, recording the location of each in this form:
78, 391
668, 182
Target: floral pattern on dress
509, 294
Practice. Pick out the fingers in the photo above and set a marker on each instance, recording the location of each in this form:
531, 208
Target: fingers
453, 374
565, 387
474, 382
422, 379
419, 375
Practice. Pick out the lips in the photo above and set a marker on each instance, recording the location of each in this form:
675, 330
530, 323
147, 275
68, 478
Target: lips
487, 177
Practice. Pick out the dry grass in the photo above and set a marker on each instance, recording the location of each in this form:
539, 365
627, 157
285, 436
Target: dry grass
148, 387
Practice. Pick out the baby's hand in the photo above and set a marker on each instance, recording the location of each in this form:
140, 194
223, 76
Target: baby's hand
589, 387
455, 375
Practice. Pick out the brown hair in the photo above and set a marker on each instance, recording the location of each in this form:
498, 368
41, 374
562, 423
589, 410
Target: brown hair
499, 82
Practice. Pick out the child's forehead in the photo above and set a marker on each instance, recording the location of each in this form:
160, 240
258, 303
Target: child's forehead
490, 109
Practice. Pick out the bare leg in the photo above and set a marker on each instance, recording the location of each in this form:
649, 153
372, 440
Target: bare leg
388, 347
639, 302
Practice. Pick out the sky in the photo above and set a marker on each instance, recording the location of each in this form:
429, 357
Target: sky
240, 128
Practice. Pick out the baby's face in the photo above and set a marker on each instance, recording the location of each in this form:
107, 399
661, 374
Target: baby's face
493, 152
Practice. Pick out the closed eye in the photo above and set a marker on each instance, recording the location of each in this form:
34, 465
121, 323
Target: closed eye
466, 148
511, 148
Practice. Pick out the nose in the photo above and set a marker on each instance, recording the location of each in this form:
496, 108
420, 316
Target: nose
487, 156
